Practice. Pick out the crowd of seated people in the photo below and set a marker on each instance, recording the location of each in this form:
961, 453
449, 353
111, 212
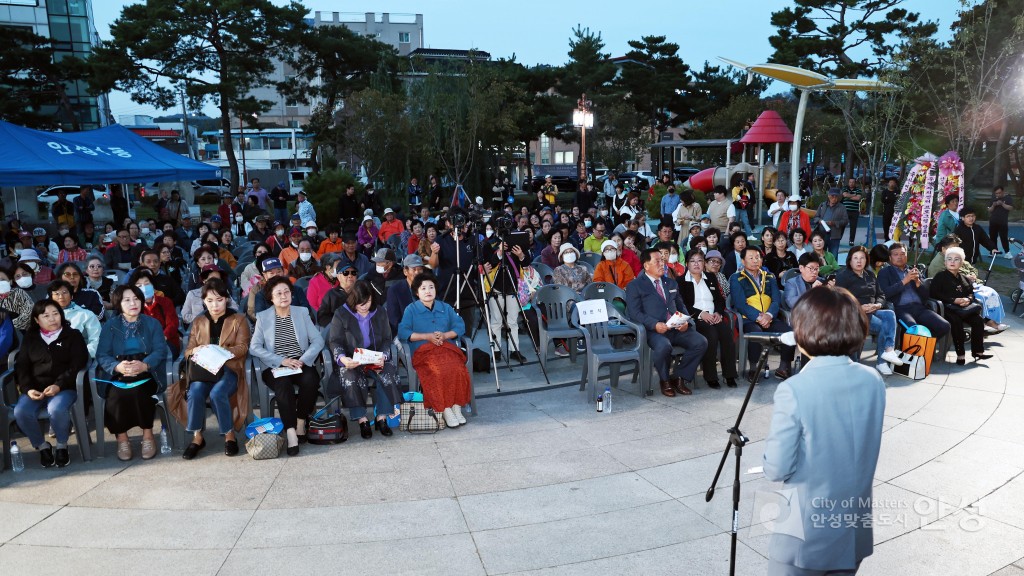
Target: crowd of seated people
135, 295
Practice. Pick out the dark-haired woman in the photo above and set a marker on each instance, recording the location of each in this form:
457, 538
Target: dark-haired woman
15, 301
825, 436
705, 300
46, 367
431, 328
158, 306
88, 299
220, 325
285, 337
862, 283
363, 323
132, 349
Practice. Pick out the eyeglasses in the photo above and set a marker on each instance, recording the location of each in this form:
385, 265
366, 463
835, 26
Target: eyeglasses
281, 294
70, 273
813, 268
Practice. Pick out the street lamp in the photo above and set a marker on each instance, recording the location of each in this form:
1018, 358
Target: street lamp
583, 118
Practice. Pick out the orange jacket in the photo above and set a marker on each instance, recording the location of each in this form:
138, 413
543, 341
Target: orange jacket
616, 271
328, 247
389, 229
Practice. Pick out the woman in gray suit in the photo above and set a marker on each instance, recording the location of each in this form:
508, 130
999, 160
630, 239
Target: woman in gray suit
286, 337
824, 440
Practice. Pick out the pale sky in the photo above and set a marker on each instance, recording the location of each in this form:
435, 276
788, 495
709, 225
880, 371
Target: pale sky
538, 31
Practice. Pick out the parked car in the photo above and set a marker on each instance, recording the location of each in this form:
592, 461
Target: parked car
101, 214
682, 173
634, 176
210, 191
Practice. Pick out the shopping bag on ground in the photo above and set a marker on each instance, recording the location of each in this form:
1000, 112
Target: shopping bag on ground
920, 345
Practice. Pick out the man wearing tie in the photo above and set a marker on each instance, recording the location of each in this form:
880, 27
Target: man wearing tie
651, 300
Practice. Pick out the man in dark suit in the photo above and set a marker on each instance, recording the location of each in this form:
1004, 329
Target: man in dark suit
904, 287
651, 300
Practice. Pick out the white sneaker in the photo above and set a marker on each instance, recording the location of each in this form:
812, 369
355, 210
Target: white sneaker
457, 410
883, 369
1008, 256
892, 357
450, 419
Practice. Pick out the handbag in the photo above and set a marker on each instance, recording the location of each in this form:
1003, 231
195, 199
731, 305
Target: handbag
416, 418
965, 311
919, 346
196, 373
327, 427
913, 366
264, 446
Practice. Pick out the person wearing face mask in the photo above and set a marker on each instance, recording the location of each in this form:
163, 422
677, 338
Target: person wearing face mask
385, 272
15, 301
611, 268
277, 241
312, 235
158, 306
290, 253
568, 273
24, 278
250, 275
42, 274
305, 264
794, 218
322, 282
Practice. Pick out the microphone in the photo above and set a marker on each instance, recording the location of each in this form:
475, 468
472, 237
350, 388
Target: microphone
772, 338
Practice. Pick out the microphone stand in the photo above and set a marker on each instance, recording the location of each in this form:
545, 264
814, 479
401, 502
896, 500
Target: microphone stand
737, 440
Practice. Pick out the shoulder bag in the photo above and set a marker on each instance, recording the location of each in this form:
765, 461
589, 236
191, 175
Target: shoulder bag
327, 426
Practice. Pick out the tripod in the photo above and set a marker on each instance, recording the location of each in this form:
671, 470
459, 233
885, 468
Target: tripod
503, 271
458, 278
737, 441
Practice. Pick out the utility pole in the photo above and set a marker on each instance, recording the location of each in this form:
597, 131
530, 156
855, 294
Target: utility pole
184, 125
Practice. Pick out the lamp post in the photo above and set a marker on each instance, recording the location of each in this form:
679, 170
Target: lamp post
583, 118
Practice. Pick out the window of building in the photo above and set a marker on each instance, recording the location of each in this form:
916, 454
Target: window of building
545, 149
403, 37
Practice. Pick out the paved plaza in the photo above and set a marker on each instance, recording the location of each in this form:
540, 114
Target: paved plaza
538, 483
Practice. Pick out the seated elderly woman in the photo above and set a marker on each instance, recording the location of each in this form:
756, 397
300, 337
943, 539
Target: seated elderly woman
961, 308
15, 301
220, 325
363, 323
285, 337
46, 367
569, 273
611, 268
861, 282
703, 297
96, 279
132, 351
87, 298
991, 303
441, 365
195, 306
158, 306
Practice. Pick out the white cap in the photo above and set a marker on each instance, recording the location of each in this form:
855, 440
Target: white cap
479, 199
388, 211
567, 248
609, 244
309, 224
367, 217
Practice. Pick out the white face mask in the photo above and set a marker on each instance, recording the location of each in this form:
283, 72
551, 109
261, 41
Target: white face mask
5, 286
610, 255
63, 232
380, 269
311, 232
144, 229
238, 218
305, 256
673, 258
279, 232
705, 225
24, 282
489, 233
793, 207
587, 223
569, 257
604, 212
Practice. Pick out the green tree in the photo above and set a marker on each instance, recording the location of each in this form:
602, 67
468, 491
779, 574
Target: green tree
322, 189
654, 80
33, 90
622, 136
214, 51
590, 72
329, 64
378, 132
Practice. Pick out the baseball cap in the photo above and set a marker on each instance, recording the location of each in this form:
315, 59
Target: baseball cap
296, 231
388, 211
384, 255
39, 232
270, 264
215, 218
412, 261
833, 191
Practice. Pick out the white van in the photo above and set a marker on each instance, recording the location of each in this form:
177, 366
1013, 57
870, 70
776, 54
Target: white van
297, 180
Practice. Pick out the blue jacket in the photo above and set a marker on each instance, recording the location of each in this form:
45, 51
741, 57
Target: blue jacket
794, 288
646, 307
112, 345
823, 445
892, 286
418, 318
741, 288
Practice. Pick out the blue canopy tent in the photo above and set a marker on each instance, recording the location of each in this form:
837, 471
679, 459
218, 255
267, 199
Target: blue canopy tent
112, 154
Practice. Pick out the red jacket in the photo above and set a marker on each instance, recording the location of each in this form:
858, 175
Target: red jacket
803, 222
163, 310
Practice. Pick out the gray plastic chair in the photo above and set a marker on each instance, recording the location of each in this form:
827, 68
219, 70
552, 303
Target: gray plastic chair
303, 283
601, 351
544, 271
553, 303
591, 258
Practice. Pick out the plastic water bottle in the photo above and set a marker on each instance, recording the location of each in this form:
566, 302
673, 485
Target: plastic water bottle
165, 446
607, 400
17, 463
